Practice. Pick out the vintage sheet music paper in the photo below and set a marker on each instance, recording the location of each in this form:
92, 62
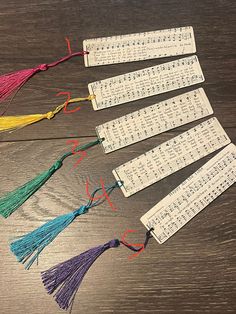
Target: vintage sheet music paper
146, 82
153, 120
171, 156
139, 46
193, 195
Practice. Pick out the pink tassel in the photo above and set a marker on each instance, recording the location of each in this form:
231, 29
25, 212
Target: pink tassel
10, 83
13, 81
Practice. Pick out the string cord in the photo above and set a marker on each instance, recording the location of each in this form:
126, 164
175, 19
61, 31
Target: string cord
45, 66
92, 203
147, 238
49, 115
79, 148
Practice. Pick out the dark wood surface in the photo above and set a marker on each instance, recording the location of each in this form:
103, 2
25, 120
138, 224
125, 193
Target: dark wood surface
194, 272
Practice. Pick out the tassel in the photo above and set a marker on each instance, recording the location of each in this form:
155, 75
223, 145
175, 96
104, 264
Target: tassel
65, 278
12, 82
33, 243
12, 200
10, 123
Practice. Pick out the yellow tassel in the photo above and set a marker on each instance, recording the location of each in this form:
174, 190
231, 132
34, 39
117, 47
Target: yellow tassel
10, 123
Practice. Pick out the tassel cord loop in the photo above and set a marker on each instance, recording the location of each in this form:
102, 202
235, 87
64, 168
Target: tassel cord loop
44, 67
147, 238
84, 147
80, 148
49, 115
92, 202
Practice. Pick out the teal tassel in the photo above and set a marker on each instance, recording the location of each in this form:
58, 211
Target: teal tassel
33, 243
12, 200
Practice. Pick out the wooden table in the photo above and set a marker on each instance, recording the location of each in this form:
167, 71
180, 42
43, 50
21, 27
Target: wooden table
194, 272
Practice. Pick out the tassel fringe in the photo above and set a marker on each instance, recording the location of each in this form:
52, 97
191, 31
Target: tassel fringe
12, 82
68, 276
33, 243
12, 200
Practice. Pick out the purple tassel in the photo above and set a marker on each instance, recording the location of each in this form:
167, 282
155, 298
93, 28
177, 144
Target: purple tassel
67, 276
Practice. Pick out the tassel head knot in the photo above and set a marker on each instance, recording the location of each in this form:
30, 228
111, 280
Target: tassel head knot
114, 243
80, 211
57, 164
50, 115
43, 67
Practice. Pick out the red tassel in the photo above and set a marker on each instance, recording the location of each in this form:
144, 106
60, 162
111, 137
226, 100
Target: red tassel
10, 83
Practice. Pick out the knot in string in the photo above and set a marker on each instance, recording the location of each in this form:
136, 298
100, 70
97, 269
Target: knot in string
114, 243
43, 67
81, 210
57, 164
50, 115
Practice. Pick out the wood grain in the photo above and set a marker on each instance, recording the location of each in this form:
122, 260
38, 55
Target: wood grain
194, 272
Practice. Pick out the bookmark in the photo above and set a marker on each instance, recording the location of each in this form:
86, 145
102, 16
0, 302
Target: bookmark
139, 46
192, 196
153, 120
146, 82
171, 156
